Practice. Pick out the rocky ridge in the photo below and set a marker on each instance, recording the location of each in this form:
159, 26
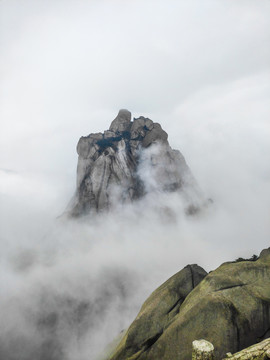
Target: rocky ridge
127, 161
229, 307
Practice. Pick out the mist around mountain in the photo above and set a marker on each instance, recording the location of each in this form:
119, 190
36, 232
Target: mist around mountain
71, 285
201, 70
128, 162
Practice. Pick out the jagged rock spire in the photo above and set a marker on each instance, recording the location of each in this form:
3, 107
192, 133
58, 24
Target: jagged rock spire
111, 165
122, 122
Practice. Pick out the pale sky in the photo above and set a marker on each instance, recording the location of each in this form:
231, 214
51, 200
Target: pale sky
68, 66
201, 69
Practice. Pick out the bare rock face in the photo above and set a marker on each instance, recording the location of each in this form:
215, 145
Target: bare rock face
229, 307
125, 162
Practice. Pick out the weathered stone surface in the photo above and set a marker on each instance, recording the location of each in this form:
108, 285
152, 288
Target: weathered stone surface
83, 147
158, 311
260, 351
122, 122
109, 134
230, 308
114, 167
202, 350
156, 134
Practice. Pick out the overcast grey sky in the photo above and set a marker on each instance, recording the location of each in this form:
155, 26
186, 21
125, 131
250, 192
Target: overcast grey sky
68, 66
199, 68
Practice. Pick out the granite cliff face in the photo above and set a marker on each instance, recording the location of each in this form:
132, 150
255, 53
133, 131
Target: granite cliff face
127, 161
230, 307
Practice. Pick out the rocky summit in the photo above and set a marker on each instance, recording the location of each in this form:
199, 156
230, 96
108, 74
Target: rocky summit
126, 162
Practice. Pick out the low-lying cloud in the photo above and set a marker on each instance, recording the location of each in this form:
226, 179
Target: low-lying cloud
70, 287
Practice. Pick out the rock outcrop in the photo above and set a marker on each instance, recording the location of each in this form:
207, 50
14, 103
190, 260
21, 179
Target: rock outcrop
260, 351
127, 161
230, 307
204, 350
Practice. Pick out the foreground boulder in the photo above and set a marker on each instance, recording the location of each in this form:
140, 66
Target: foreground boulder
203, 350
230, 307
260, 351
127, 161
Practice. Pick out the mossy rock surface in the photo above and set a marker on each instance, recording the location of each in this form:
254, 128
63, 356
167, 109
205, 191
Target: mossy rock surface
230, 307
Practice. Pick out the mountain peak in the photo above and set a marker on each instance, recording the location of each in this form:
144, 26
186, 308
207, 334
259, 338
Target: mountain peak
122, 122
125, 163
